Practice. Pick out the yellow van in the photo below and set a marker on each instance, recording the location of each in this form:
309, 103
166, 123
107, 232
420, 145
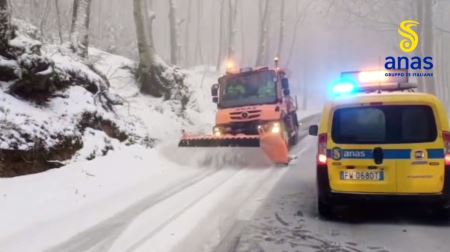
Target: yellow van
383, 146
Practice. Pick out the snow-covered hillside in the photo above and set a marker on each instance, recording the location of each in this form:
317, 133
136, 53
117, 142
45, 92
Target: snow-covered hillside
102, 183
56, 108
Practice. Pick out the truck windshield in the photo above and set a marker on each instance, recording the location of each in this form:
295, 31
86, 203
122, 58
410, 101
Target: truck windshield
249, 89
384, 124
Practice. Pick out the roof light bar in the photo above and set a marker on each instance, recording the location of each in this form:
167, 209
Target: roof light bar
369, 81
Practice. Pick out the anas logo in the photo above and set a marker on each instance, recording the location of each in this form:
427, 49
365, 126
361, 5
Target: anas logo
410, 37
337, 154
409, 44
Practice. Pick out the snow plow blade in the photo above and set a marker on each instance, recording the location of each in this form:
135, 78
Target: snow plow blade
225, 141
273, 146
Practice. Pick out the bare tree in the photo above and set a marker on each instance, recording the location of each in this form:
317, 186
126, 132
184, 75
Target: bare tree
425, 14
300, 17
150, 18
198, 51
148, 69
173, 33
187, 33
58, 20
261, 54
5, 26
221, 37
79, 32
180, 23
243, 37
282, 25
44, 17
232, 10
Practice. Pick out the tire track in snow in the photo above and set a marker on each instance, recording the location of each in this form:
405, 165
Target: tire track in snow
101, 236
182, 203
104, 235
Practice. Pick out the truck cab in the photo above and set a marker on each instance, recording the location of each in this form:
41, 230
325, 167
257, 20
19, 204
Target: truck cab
251, 98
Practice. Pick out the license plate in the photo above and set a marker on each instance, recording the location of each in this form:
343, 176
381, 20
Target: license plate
362, 175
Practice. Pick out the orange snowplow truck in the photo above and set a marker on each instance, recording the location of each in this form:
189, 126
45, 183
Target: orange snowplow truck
255, 109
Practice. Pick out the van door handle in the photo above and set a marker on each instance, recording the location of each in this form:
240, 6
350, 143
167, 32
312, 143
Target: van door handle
378, 155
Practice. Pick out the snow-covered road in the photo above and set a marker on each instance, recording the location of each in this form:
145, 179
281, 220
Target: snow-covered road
232, 204
192, 213
288, 221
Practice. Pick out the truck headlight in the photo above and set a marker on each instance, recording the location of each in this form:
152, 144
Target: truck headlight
217, 131
276, 128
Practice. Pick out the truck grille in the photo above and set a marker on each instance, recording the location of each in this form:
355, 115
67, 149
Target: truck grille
247, 128
245, 115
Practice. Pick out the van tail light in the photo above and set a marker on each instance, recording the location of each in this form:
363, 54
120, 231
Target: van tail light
322, 150
446, 136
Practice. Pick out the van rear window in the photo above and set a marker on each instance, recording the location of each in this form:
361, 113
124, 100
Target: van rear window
384, 124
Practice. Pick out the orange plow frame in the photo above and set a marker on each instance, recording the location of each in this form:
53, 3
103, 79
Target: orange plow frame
273, 145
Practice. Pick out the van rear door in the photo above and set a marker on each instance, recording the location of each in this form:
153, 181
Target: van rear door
398, 141
356, 152
417, 130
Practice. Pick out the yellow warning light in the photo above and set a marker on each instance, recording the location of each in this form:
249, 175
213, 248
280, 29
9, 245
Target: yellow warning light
230, 65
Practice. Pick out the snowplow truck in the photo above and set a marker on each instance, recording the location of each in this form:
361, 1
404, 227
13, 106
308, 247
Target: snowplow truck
255, 110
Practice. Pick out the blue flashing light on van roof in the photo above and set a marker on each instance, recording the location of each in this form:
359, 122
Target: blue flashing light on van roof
344, 87
371, 81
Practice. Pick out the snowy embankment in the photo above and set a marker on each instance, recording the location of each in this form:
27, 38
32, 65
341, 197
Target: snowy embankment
35, 201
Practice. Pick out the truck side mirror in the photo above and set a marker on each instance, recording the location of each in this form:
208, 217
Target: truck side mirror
285, 86
215, 99
215, 90
285, 83
313, 130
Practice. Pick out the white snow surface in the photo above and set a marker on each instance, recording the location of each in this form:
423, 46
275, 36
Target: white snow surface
60, 203
106, 204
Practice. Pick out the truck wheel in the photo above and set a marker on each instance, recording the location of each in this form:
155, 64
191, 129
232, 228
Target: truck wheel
293, 140
295, 119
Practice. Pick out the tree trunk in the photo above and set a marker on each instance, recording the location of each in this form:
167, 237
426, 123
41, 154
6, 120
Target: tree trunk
262, 45
243, 51
427, 37
232, 10
148, 70
6, 32
426, 48
173, 33
221, 37
58, 20
79, 32
149, 18
44, 18
187, 32
198, 51
282, 25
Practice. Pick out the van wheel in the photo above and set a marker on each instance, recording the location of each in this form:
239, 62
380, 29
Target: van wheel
325, 209
440, 213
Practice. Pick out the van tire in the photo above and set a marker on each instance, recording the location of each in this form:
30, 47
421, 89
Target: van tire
325, 209
440, 213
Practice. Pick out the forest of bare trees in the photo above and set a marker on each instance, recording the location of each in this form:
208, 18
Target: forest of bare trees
201, 32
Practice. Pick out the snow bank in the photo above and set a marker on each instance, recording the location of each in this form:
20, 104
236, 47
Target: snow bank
59, 196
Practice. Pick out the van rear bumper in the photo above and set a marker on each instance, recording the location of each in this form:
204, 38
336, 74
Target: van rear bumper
325, 193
